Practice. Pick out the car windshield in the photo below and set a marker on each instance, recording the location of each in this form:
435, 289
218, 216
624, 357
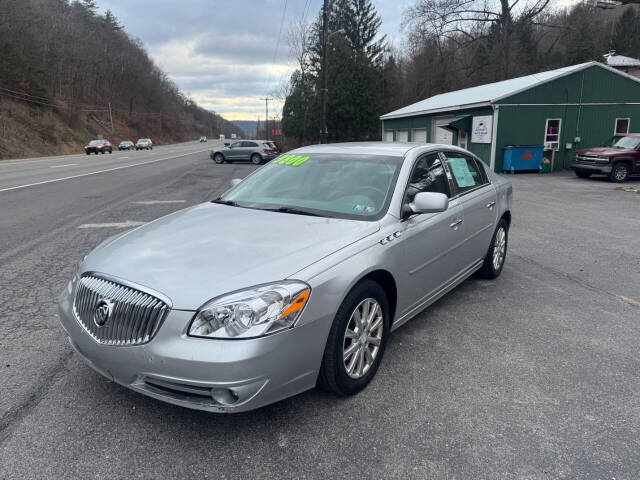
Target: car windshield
341, 186
95, 142
627, 143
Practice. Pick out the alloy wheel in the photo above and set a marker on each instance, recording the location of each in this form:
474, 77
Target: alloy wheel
499, 247
362, 338
620, 172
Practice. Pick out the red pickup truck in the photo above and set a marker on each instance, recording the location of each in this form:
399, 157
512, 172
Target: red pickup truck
618, 162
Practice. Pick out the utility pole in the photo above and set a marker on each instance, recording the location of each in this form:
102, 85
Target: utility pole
324, 133
266, 117
111, 118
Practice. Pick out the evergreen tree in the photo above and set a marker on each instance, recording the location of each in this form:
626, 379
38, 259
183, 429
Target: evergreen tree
354, 77
626, 39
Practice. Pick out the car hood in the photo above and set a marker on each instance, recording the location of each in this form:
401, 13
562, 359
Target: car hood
210, 249
608, 151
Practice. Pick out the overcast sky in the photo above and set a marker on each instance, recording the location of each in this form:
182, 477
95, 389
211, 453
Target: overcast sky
225, 53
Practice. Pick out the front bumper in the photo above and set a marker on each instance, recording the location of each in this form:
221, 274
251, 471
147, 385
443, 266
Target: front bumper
592, 167
205, 374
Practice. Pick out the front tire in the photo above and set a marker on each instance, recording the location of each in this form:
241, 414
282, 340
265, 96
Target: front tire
583, 173
256, 159
619, 172
218, 158
357, 340
497, 253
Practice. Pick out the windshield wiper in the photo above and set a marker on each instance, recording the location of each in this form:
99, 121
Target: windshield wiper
294, 210
231, 203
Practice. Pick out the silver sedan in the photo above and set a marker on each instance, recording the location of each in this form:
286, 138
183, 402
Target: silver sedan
295, 277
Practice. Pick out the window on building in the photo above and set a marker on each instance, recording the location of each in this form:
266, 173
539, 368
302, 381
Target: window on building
552, 133
622, 126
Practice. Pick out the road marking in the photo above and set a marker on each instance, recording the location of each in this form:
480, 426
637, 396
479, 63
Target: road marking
100, 171
127, 224
66, 165
157, 202
123, 158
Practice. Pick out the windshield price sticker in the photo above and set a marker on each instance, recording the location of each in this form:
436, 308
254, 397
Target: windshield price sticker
293, 160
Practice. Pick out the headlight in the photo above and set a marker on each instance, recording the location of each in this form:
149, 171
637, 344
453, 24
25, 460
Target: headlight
253, 312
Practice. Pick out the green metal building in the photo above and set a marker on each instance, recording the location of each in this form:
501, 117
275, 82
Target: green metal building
573, 107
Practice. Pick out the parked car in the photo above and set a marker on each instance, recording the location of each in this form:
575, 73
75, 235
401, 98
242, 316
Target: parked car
255, 151
618, 162
203, 139
295, 276
144, 144
98, 146
126, 145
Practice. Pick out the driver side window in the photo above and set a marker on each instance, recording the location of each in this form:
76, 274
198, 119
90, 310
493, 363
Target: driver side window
235, 145
428, 176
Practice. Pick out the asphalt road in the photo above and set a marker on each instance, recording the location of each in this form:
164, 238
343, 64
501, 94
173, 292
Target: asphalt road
534, 375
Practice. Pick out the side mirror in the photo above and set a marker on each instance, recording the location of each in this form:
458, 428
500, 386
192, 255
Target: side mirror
235, 181
429, 202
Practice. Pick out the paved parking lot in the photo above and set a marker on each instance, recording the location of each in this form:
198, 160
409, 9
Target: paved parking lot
534, 375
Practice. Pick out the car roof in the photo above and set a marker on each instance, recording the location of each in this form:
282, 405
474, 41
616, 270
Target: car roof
391, 149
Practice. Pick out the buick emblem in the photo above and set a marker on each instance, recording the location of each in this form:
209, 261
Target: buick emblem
102, 312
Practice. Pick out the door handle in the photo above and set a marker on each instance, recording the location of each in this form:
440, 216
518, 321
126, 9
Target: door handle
455, 223
490, 205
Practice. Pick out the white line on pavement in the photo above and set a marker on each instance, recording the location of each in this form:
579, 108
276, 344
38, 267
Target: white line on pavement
66, 165
157, 202
100, 171
127, 224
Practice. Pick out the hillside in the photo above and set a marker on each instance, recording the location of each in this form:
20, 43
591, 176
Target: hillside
69, 74
248, 126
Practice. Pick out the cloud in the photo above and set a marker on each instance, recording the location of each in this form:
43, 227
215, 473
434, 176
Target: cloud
222, 53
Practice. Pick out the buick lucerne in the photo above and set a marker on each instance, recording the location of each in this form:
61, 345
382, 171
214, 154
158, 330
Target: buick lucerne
294, 277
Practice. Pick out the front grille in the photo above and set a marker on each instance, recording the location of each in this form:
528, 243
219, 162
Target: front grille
129, 316
590, 160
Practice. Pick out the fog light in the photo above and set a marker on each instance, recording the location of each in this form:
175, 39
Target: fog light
224, 396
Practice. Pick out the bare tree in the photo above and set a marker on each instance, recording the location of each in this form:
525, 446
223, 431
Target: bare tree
465, 21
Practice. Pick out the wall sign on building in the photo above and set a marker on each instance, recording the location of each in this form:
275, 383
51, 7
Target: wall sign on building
481, 129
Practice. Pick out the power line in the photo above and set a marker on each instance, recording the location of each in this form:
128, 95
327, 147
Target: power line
284, 11
304, 10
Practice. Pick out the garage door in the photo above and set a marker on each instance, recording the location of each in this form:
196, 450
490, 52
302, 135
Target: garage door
419, 135
442, 135
403, 135
388, 135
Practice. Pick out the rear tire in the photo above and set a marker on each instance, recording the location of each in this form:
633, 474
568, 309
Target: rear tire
619, 172
497, 253
583, 173
256, 159
335, 375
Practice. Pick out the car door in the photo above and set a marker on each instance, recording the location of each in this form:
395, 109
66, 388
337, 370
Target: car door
235, 150
478, 199
430, 240
248, 149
